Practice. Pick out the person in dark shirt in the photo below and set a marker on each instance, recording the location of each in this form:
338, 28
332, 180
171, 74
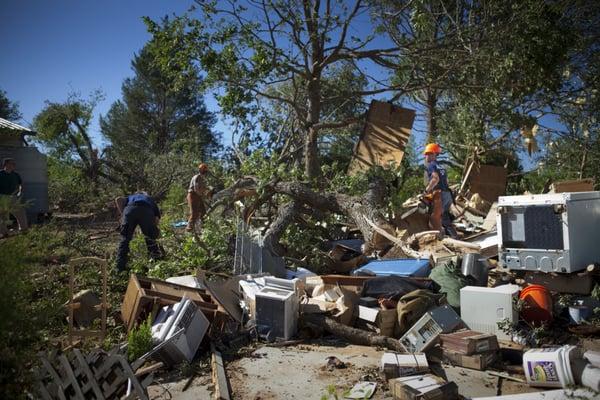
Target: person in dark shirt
437, 185
138, 209
11, 188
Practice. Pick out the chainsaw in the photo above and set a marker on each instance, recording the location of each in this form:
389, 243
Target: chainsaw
425, 205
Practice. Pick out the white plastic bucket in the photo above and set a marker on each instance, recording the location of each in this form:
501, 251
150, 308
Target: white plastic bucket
550, 367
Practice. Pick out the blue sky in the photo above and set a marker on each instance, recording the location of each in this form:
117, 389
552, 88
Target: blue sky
50, 48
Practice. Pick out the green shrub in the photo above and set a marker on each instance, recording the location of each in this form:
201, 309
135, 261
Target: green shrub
139, 340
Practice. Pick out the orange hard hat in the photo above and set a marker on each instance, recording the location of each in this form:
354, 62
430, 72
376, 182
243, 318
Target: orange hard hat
432, 148
202, 167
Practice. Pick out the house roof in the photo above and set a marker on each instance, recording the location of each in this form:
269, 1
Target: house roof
7, 126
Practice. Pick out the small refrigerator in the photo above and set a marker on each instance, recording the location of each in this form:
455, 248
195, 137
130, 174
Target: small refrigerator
481, 308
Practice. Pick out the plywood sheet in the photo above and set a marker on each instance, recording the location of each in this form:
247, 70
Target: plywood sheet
384, 137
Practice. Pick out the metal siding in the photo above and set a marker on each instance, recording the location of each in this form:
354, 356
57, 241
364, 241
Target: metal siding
32, 166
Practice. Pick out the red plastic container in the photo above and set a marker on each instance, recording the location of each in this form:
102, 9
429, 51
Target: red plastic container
538, 304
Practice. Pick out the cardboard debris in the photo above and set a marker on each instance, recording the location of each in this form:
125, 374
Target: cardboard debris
394, 365
578, 185
384, 137
423, 387
488, 181
468, 342
480, 361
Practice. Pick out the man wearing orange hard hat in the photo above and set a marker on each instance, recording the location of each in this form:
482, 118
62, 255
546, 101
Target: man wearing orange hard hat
439, 191
198, 191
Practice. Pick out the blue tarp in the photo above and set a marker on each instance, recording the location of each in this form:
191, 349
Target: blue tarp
399, 267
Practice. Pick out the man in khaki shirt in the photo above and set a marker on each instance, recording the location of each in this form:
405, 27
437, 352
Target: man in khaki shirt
198, 191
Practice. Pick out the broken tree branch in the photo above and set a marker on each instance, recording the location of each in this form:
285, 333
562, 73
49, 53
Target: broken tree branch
353, 335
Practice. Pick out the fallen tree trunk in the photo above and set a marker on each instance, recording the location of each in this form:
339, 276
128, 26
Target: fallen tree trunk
353, 335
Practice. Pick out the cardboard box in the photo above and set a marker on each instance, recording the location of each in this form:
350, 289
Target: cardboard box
469, 342
578, 185
144, 296
479, 362
380, 320
395, 365
423, 387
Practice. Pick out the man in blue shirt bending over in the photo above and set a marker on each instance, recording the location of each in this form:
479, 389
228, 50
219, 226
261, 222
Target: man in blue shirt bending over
138, 209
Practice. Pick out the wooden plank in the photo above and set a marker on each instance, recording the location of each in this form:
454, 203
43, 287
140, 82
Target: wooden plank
219, 376
148, 369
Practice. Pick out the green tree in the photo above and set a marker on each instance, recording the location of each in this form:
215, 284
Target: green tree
9, 109
156, 117
64, 128
482, 65
249, 49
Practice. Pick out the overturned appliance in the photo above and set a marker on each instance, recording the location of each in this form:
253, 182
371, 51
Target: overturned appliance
549, 232
188, 323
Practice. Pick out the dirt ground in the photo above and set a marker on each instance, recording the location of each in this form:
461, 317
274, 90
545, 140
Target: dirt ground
300, 372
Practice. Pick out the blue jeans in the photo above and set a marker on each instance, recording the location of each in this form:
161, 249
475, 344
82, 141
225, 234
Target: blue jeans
134, 215
446, 217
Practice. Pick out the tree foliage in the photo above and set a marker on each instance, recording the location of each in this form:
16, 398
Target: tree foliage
9, 109
280, 52
64, 128
157, 119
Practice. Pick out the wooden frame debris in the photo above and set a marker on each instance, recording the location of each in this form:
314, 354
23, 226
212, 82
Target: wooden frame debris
103, 306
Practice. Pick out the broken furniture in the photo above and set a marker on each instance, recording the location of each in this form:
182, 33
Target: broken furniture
423, 387
145, 296
394, 365
98, 375
425, 332
549, 232
185, 316
481, 308
75, 306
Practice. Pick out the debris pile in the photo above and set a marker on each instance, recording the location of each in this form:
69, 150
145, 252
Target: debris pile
486, 301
